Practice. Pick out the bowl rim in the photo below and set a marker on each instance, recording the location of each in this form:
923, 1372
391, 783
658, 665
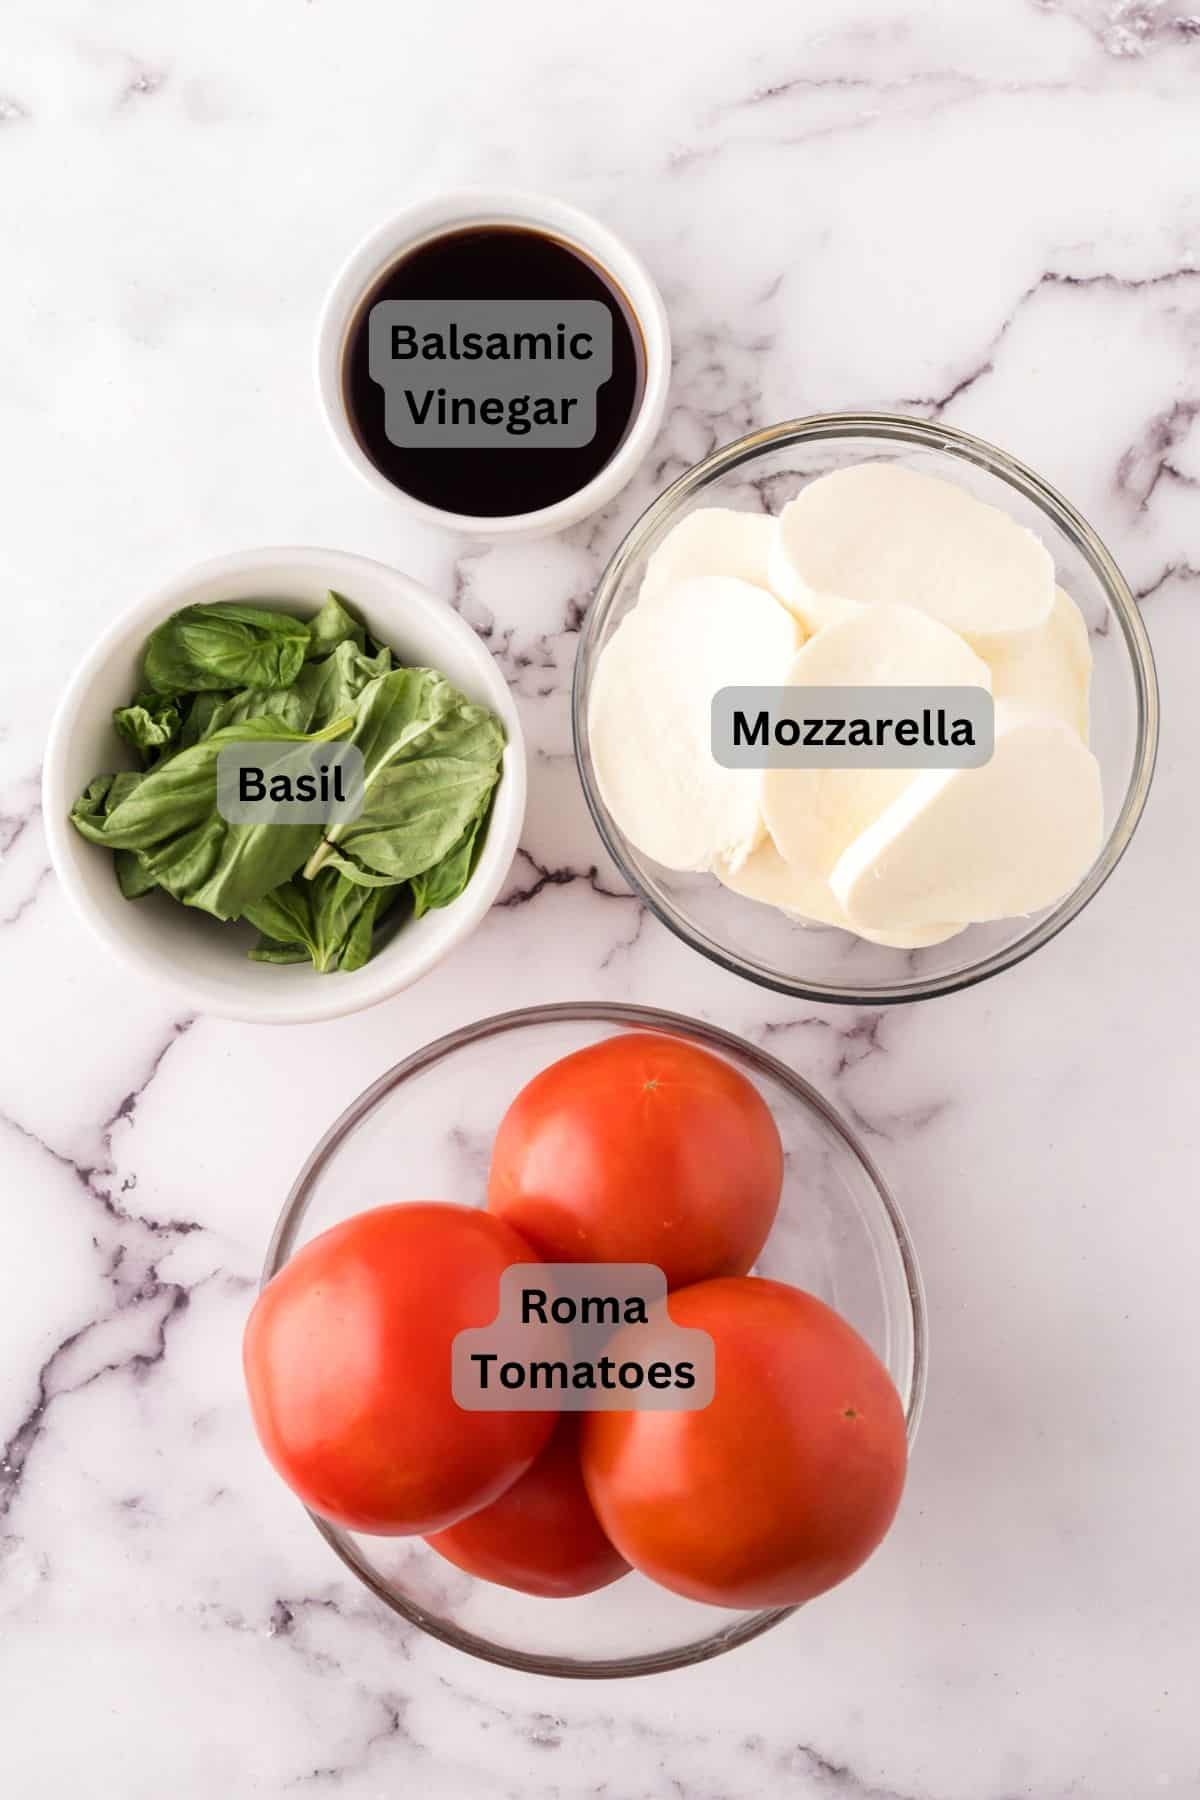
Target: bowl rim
930, 435
456, 210
386, 977
642, 1018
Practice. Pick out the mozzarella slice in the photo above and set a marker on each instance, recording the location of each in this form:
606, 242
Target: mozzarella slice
1051, 669
765, 876
650, 718
987, 843
713, 540
880, 533
814, 814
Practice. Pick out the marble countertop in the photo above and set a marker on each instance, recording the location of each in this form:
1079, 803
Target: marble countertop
987, 213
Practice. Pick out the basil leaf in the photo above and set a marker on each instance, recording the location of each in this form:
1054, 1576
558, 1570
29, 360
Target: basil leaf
267, 952
284, 917
91, 803
198, 719
104, 794
430, 759
133, 877
360, 938
229, 673
322, 691
170, 818
151, 722
328, 921
335, 624
226, 645
446, 880
94, 805
418, 813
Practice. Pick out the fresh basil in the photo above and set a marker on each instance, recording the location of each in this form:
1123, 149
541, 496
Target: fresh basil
322, 691
226, 645
232, 673
170, 818
446, 880
430, 760
335, 624
328, 922
94, 806
150, 723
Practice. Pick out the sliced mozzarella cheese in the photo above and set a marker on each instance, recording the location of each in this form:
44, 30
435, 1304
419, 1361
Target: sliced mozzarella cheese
765, 876
813, 814
1051, 668
650, 718
878, 532
917, 937
713, 540
987, 843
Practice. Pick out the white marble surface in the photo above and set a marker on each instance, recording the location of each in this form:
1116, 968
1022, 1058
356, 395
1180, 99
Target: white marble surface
987, 211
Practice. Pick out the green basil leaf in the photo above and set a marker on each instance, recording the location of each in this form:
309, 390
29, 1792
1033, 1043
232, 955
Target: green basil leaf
91, 803
265, 951
330, 921
430, 758
150, 723
94, 805
133, 877
103, 794
445, 881
201, 710
226, 645
417, 813
170, 818
322, 691
335, 624
284, 917
360, 938
230, 673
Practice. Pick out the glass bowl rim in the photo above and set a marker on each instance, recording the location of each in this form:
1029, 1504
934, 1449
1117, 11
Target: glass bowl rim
644, 1018
928, 435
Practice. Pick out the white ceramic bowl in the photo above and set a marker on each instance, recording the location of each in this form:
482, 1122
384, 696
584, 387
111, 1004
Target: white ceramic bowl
499, 206
205, 961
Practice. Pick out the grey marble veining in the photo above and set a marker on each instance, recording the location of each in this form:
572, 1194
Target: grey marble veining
986, 214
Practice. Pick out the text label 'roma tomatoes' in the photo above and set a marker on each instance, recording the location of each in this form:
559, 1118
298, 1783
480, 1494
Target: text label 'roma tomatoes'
348, 1362
781, 1486
642, 1148
541, 1536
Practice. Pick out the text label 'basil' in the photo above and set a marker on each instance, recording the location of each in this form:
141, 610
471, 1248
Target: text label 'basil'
279, 783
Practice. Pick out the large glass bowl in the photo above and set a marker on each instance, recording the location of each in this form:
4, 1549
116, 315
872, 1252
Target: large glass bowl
761, 473
424, 1131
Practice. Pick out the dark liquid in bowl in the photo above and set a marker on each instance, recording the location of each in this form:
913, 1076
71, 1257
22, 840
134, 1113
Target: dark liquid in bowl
496, 262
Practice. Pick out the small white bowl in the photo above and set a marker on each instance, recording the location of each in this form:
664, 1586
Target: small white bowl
488, 206
206, 962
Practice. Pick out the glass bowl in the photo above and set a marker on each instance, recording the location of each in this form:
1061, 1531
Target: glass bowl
424, 1130
761, 473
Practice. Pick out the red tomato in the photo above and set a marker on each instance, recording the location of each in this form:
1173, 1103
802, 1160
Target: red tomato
784, 1483
541, 1536
347, 1359
640, 1149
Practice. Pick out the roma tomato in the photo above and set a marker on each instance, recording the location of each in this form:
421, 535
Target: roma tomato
640, 1149
784, 1483
347, 1359
541, 1536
